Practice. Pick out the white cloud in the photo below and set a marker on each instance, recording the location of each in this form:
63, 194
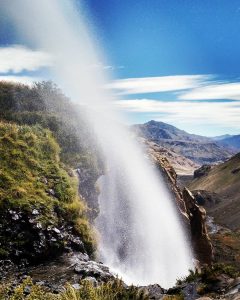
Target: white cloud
20, 79
229, 91
158, 84
224, 114
18, 58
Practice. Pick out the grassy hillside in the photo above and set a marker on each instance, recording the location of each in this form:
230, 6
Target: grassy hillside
41, 212
224, 180
46, 105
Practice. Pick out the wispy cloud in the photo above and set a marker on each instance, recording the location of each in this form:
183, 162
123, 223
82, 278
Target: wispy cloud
102, 66
224, 114
17, 59
229, 91
158, 84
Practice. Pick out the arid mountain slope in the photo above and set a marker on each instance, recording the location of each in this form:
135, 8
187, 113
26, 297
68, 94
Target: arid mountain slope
181, 164
220, 188
197, 148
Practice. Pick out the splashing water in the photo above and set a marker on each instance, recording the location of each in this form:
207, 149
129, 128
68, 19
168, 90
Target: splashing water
141, 237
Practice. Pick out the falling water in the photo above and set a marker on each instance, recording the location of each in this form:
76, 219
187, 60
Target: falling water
141, 237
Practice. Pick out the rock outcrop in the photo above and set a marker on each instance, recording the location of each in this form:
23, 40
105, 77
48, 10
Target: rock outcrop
202, 171
200, 240
194, 216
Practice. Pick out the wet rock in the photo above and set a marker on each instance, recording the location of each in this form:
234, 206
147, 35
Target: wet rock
155, 291
51, 192
88, 188
15, 217
56, 230
76, 286
41, 283
35, 212
92, 280
39, 225
56, 289
190, 291
25, 236
93, 269
234, 286
27, 290
77, 244
200, 239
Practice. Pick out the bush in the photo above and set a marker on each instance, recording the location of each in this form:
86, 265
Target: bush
107, 291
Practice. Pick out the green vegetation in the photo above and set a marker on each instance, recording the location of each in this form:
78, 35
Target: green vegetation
39, 144
209, 277
46, 105
32, 177
210, 274
107, 291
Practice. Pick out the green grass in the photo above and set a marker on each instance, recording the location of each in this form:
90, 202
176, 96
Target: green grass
44, 104
209, 276
30, 170
115, 290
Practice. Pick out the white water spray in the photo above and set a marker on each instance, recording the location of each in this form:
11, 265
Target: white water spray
141, 235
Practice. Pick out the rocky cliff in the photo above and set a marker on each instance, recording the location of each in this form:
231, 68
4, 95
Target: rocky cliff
193, 215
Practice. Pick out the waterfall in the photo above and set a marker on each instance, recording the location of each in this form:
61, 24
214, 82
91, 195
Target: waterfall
141, 236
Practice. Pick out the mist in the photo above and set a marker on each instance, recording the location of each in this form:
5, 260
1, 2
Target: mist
140, 233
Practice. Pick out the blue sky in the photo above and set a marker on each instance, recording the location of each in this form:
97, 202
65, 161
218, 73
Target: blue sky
175, 61
166, 37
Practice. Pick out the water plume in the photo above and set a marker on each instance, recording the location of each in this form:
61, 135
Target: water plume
141, 235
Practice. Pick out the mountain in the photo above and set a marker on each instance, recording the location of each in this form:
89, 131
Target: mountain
231, 141
181, 164
221, 137
199, 149
219, 188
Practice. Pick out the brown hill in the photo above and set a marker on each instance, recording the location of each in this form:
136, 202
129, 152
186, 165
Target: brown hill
220, 191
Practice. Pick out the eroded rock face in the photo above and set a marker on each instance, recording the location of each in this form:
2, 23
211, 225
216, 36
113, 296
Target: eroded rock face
193, 215
169, 176
200, 240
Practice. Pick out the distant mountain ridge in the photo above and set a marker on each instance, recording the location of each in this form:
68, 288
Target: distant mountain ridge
221, 137
231, 141
199, 149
